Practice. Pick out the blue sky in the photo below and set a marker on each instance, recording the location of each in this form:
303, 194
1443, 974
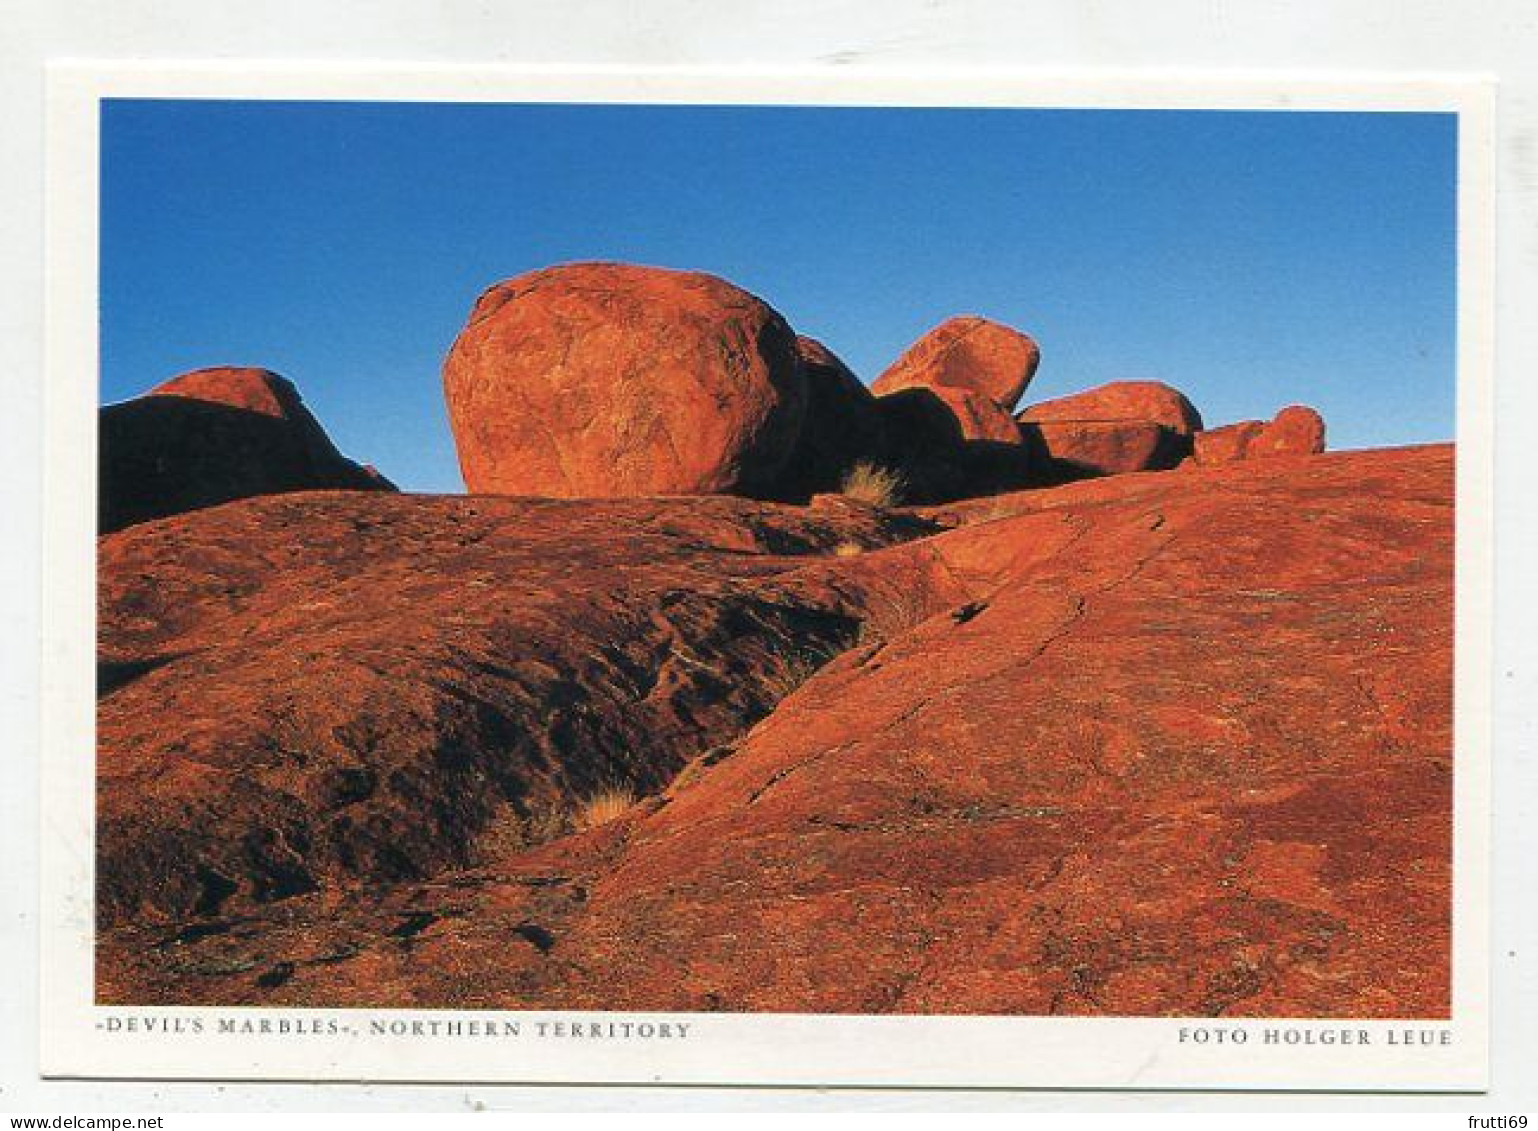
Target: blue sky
1250, 259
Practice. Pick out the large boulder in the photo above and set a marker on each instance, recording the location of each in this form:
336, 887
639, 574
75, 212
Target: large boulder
606, 379
841, 427
1116, 428
211, 436
969, 353
1152, 402
1077, 449
1295, 431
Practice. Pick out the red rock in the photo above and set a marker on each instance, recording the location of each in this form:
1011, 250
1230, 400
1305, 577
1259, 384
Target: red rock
300, 691
1075, 449
977, 417
1142, 745
968, 353
1120, 401
1296, 431
255, 390
841, 427
1226, 444
815, 355
211, 436
602, 379
1121, 427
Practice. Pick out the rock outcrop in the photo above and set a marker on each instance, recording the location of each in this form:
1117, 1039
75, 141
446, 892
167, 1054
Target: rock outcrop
606, 380
1141, 745
1296, 431
1110, 430
975, 355
301, 692
211, 436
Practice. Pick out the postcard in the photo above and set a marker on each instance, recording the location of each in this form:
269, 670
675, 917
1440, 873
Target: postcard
820, 577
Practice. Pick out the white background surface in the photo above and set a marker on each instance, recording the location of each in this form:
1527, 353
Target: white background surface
1345, 37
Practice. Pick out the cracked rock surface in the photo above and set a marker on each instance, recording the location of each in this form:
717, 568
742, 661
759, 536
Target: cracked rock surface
1153, 744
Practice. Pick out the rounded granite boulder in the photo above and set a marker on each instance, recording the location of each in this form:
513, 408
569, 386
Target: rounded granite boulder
970, 353
606, 379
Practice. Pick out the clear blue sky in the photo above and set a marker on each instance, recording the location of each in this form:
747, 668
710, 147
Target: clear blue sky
1250, 259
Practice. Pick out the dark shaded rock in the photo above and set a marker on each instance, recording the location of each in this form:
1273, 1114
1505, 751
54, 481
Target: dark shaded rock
950, 444
209, 437
841, 427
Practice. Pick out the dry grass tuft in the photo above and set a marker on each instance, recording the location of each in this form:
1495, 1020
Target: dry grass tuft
868, 483
604, 806
848, 549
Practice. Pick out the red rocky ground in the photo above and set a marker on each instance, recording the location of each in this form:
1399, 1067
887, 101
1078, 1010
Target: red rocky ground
1148, 744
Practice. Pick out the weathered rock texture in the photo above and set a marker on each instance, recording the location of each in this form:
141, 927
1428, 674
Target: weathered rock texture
968, 353
1121, 427
303, 691
1296, 431
211, 436
1168, 745
605, 380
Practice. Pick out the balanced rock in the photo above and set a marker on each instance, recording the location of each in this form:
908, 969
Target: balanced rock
211, 436
1120, 427
969, 353
841, 426
605, 379
1296, 431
